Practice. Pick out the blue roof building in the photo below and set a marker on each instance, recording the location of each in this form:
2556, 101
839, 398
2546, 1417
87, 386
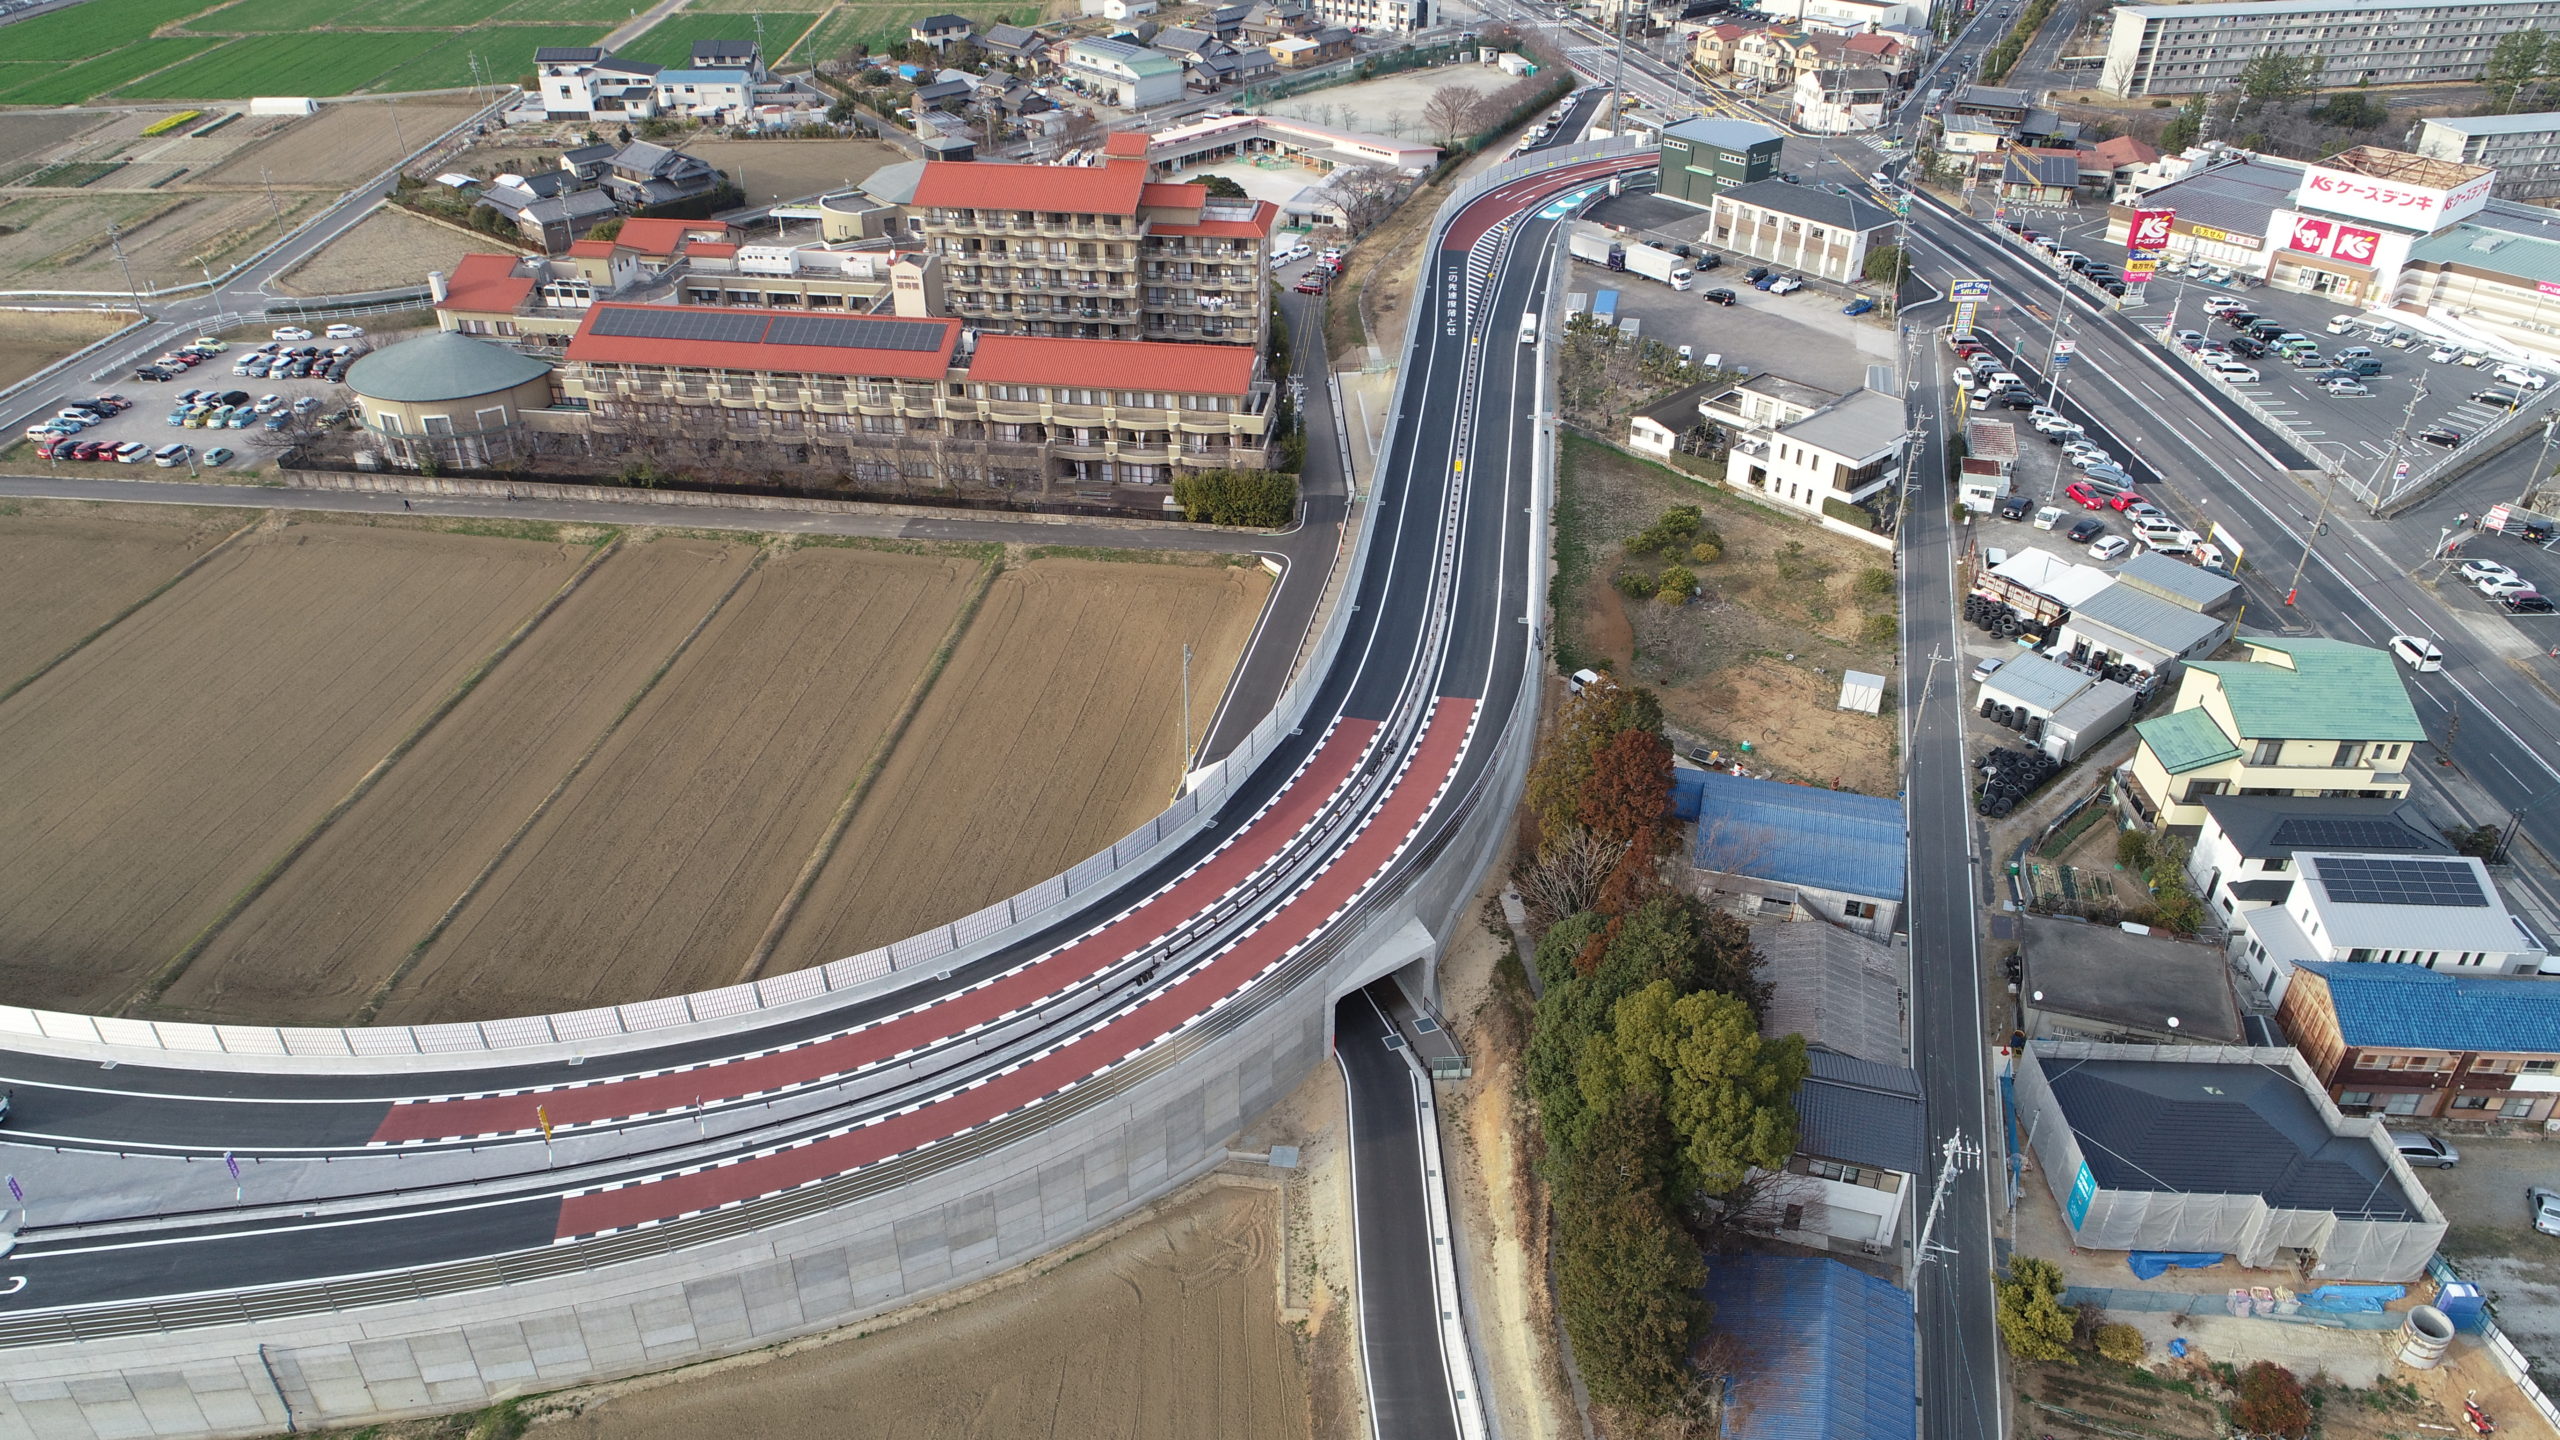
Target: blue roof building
1833, 852
1824, 1352
2410, 1007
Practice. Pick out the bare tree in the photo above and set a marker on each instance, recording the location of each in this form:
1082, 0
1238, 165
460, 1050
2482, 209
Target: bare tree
1768, 1202
1451, 113
1366, 193
1565, 877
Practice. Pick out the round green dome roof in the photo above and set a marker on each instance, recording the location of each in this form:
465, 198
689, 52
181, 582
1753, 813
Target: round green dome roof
442, 366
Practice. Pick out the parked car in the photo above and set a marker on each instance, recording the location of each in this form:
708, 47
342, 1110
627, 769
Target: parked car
2235, 373
2109, 548
2475, 571
2089, 528
2013, 507
2497, 395
2543, 1204
131, 452
2498, 586
171, 456
2526, 602
2425, 1150
291, 332
2342, 385
2444, 435
1859, 306
350, 332
1988, 668
219, 455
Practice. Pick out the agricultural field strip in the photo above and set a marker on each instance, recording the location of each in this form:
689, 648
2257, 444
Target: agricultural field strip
1336, 882
1167, 903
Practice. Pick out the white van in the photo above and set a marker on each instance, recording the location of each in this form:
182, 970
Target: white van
2518, 375
2417, 652
169, 457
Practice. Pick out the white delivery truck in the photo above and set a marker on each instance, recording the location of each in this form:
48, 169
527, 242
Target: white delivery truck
1655, 263
1594, 244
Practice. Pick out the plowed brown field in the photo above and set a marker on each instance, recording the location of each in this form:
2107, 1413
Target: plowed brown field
1054, 731
661, 867
151, 776
314, 947
66, 569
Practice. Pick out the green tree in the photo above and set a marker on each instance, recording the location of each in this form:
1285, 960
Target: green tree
2519, 58
1727, 1092
2120, 1343
1887, 264
1675, 585
1626, 1274
2185, 127
607, 230
1223, 188
2274, 78
2030, 1310
1679, 525
2351, 111
1262, 499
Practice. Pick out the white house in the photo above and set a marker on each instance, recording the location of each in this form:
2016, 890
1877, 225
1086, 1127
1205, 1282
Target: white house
1129, 76
2439, 911
1840, 102
1845, 452
711, 94
585, 82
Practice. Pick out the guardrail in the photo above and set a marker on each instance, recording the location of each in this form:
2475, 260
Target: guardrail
648, 1022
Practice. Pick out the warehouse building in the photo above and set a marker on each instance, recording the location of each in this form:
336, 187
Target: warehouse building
2194, 49
1835, 854
1705, 157
1818, 232
2214, 1150
2086, 981
2057, 709
1828, 1351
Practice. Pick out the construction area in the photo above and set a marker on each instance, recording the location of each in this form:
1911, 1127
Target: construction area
561, 766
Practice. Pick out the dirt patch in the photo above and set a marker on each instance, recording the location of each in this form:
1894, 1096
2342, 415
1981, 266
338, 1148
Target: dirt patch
339, 146
413, 847
30, 342
26, 135
1053, 732
1165, 1330
60, 239
792, 169
155, 773
386, 250
1758, 654
66, 568
664, 862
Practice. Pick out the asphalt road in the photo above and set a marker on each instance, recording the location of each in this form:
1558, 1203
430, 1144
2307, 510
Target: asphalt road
1428, 676
1409, 1385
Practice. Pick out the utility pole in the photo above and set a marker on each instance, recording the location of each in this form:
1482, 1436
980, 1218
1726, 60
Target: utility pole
2389, 472
1186, 707
267, 178
115, 242
1957, 1156
2533, 481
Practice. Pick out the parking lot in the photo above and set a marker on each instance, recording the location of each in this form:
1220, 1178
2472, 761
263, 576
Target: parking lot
1802, 336
2491, 1238
249, 445
2359, 426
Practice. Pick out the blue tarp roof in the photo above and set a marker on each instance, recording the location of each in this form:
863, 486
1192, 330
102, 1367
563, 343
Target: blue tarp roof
1825, 1352
1797, 835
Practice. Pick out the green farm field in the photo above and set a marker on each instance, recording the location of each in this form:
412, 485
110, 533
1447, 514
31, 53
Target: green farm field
84, 31
612, 12
285, 17
71, 84
505, 51
333, 63
670, 41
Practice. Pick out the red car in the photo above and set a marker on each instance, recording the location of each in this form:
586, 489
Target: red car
2125, 500
1312, 285
2085, 497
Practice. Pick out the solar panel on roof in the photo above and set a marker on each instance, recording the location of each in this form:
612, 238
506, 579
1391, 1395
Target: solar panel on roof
2343, 832
2368, 880
855, 332
673, 323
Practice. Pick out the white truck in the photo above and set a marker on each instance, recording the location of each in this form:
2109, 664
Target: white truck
1594, 244
1655, 263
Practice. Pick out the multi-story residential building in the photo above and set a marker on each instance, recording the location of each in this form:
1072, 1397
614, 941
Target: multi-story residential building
900, 402
1097, 252
1840, 455
2434, 912
1711, 50
2190, 49
1818, 232
1838, 102
2243, 855
2524, 149
939, 31
2400, 1040
705, 94
1768, 57
2299, 717
1129, 76
1392, 16
582, 82
745, 55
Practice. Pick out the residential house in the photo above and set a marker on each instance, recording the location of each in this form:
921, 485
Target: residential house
1989, 102
1321, 47
583, 82
1834, 854
1023, 48
946, 95
1851, 1184
1898, 59
642, 175
1270, 20
1676, 422
1234, 65
1818, 232
1227, 21
1767, 57
2395, 1040
1189, 46
1711, 52
722, 95
1129, 76
2079, 980
2433, 912
588, 162
1839, 102
2298, 716
2033, 176
2242, 859
1765, 402
941, 31
741, 55
550, 214
2122, 158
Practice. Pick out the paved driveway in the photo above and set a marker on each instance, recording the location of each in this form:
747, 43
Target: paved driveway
2492, 1242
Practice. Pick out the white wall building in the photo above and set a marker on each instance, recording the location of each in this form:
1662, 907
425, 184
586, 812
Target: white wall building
2439, 911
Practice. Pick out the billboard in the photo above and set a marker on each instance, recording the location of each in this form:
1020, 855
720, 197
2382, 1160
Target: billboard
2334, 239
2149, 234
2423, 208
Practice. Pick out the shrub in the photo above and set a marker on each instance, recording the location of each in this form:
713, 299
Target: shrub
1676, 585
2031, 1316
607, 229
1707, 552
2133, 850
1873, 583
2271, 1402
2120, 1343
1879, 631
1679, 525
1634, 584
1259, 498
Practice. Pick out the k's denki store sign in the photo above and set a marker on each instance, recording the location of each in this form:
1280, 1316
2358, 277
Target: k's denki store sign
2416, 207
2337, 240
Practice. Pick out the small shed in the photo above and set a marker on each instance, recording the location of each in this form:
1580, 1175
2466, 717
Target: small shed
1861, 692
2033, 695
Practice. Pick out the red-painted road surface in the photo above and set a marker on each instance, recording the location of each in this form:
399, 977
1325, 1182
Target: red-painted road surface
688, 1088
1294, 923
1513, 196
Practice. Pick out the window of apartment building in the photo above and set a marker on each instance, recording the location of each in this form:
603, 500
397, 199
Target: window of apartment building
2470, 1102
2515, 1110
2355, 1097
2540, 1067
916, 467
883, 425
1016, 434
2266, 752
2402, 1104
2349, 752
874, 472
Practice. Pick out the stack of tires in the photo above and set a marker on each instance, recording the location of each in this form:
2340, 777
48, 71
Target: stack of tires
2010, 776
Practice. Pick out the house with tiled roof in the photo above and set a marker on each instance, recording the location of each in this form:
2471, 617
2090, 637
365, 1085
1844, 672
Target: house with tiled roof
2112, 163
2297, 716
940, 31
1711, 53
1024, 47
2407, 1040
